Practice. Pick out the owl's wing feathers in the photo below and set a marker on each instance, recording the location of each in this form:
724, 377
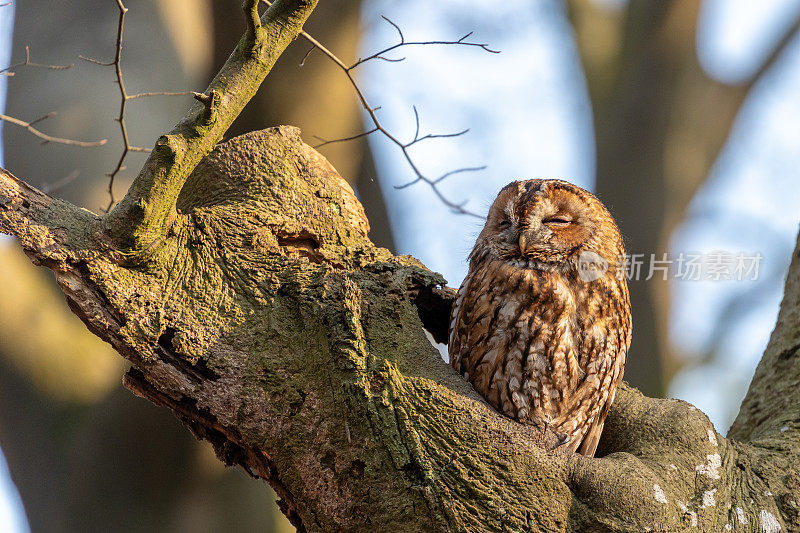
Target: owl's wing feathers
494, 335
476, 351
592, 437
596, 393
454, 342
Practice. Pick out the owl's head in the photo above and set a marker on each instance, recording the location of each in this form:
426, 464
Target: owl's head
548, 224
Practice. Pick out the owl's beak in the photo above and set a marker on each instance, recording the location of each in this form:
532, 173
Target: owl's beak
523, 243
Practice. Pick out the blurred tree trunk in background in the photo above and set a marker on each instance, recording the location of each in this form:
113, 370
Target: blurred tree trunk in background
660, 123
86, 467
316, 97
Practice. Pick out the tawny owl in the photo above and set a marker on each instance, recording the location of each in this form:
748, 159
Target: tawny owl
541, 326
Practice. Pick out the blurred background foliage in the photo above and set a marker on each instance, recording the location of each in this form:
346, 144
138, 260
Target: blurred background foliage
680, 114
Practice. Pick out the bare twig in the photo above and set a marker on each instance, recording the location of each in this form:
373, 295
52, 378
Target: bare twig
326, 142
123, 100
457, 171
49, 188
95, 61
124, 97
378, 126
417, 138
161, 93
442, 177
9, 70
380, 55
45, 117
49, 138
303, 61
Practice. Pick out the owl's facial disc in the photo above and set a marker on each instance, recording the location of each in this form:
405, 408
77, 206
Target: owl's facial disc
539, 220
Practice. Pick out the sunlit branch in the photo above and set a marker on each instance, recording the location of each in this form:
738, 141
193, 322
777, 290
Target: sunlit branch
161, 93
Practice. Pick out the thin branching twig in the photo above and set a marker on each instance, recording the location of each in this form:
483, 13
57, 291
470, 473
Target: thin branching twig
381, 54
117, 64
124, 98
49, 188
457, 207
49, 138
325, 142
10, 70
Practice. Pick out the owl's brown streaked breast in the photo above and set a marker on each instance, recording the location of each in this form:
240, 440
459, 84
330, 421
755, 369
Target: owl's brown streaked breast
531, 343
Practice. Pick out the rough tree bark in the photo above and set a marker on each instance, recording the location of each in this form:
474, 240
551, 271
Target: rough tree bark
243, 289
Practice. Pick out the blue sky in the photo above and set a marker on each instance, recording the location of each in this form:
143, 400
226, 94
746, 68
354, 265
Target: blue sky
522, 124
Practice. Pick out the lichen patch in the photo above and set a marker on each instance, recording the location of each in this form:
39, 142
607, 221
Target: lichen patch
659, 494
740, 516
711, 468
769, 524
708, 498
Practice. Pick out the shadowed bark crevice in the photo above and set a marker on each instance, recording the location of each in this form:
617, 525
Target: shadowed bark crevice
226, 442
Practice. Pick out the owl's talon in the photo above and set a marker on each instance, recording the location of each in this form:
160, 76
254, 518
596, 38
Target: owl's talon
563, 438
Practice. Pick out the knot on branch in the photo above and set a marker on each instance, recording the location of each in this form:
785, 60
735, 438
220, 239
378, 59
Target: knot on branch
211, 104
271, 179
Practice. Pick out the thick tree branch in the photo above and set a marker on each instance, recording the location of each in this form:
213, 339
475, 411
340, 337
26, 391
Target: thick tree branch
141, 218
771, 408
